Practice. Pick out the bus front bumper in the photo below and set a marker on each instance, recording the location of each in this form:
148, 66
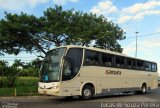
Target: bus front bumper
54, 92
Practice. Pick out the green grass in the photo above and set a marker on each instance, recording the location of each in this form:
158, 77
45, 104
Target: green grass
6, 91
25, 86
27, 91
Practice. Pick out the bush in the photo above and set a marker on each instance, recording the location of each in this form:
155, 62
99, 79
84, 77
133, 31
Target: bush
10, 77
24, 85
27, 81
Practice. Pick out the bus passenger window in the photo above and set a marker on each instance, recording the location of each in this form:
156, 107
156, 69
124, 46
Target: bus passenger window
154, 67
120, 61
107, 59
140, 65
91, 58
134, 64
129, 63
147, 66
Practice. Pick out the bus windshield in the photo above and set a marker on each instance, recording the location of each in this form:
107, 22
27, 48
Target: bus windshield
50, 69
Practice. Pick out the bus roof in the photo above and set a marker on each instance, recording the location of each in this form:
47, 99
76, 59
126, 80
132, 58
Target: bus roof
103, 50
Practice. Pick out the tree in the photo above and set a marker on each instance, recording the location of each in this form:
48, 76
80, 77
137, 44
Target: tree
36, 63
55, 28
18, 63
57, 25
10, 74
3, 67
109, 35
29, 69
21, 33
82, 29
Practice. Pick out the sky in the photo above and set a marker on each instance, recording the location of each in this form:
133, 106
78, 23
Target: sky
131, 15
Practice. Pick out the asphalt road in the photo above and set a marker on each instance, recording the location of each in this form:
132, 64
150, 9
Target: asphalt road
130, 100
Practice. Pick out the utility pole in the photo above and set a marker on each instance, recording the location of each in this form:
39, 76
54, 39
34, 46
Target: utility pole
136, 44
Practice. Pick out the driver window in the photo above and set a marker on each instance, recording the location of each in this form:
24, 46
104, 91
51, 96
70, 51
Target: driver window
72, 63
67, 68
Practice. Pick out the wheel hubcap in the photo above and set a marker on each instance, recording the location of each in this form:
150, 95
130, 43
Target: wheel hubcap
143, 89
87, 92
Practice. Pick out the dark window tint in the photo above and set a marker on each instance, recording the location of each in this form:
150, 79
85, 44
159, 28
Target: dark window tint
129, 63
107, 59
91, 58
72, 63
154, 67
134, 64
140, 65
119, 61
147, 66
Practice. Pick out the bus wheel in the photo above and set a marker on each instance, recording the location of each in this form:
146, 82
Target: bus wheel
144, 89
69, 97
87, 92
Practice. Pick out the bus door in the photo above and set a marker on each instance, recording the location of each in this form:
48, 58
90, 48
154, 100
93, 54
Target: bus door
71, 66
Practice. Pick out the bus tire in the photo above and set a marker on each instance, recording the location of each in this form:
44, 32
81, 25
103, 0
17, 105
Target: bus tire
87, 92
69, 97
144, 89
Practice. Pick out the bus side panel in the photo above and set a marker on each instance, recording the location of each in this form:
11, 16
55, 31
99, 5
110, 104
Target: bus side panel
71, 87
127, 80
104, 82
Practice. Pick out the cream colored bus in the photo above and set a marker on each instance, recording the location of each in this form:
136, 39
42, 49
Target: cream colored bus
84, 71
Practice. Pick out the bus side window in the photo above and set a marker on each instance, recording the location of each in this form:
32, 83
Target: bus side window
107, 59
140, 65
129, 63
154, 67
91, 58
120, 61
134, 64
147, 66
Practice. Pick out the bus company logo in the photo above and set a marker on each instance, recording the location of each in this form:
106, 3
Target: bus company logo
113, 72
